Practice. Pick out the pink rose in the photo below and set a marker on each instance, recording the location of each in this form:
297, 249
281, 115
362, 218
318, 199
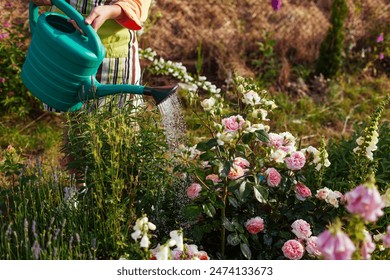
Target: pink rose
235, 172
365, 202
336, 246
296, 161
241, 162
254, 225
293, 249
275, 140
386, 238
214, 178
311, 246
302, 192
322, 194
193, 190
233, 123
367, 246
273, 177
301, 229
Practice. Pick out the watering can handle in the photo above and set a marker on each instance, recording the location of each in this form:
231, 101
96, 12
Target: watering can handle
93, 38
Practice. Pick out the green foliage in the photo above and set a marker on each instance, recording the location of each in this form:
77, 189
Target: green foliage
331, 50
14, 97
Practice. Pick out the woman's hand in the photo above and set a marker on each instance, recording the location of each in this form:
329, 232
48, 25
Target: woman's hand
99, 15
42, 2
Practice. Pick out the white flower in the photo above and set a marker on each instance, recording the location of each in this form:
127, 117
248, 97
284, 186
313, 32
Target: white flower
162, 252
332, 198
208, 104
145, 241
278, 156
251, 98
177, 235
225, 137
136, 234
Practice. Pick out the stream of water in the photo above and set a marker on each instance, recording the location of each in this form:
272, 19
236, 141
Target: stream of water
173, 121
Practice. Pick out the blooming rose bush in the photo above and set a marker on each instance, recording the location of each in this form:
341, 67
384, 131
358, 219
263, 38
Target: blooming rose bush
251, 183
258, 192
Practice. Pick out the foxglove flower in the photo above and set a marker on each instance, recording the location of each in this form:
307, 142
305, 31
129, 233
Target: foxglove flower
335, 246
366, 202
276, 4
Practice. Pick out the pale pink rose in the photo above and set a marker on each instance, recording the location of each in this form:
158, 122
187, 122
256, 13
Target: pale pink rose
273, 177
311, 246
302, 192
386, 238
296, 161
336, 246
368, 246
235, 172
322, 193
214, 178
254, 225
241, 162
233, 123
301, 229
365, 202
193, 190
293, 249
275, 140
192, 250
341, 196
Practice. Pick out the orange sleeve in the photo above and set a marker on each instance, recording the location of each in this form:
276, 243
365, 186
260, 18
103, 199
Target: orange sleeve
135, 11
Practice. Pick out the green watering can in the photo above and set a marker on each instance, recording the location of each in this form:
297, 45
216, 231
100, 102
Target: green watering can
61, 62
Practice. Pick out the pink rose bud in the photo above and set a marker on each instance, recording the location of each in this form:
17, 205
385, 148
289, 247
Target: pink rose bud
301, 229
302, 192
293, 249
273, 177
365, 202
193, 190
254, 225
296, 161
335, 246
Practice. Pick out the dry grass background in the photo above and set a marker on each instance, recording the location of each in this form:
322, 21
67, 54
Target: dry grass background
229, 30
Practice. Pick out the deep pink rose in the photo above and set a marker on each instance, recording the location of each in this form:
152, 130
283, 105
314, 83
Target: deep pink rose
386, 238
193, 190
273, 177
293, 249
296, 161
302, 192
301, 229
254, 225
365, 202
233, 123
241, 162
336, 246
311, 246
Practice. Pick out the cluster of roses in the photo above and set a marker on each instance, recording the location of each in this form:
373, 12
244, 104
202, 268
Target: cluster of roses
173, 249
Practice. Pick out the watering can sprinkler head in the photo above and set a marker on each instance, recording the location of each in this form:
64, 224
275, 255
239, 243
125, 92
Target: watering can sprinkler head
160, 94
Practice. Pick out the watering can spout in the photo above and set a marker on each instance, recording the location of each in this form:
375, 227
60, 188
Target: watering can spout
160, 94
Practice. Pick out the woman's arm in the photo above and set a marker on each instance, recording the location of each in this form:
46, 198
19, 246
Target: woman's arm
134, 12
